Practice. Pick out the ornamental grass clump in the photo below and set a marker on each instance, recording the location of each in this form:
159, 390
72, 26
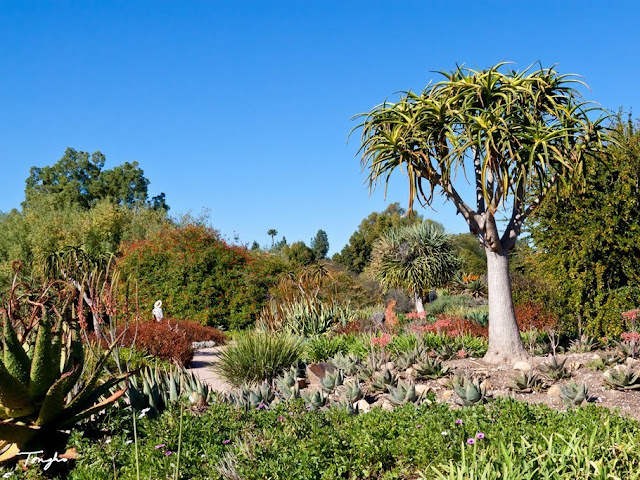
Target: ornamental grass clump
257, 356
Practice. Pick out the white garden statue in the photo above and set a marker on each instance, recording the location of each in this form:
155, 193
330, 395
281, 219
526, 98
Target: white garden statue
157, 311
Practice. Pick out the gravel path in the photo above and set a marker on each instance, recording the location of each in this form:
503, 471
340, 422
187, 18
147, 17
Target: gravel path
203, 360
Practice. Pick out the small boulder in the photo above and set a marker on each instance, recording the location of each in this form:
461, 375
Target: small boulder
387, 405
422, 389
447, 394
554, 391
522, 366
317, 371
377, 318
362, 405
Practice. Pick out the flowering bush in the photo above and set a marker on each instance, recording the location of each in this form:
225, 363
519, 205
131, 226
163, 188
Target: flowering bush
533, 316
453, 326
381, 341
629, 337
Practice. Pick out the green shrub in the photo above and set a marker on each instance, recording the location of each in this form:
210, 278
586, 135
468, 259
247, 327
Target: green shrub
257, 356
448, 304
321, 348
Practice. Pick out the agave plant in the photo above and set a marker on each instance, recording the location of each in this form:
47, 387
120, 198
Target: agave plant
375, 363
251, 397
331, 381
574, 394
406, 360
622, 379
381, 381
351, 392
405, 392
158, 388
315, 400
37, 384
605, 360
431, 368
470, 391
555, 369
445, 352
288, 384
527, 382
350, 407
347, 363
583, 344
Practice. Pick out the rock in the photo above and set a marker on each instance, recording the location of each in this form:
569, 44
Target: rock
409, 372
316, 371
422, 389
302, 383
554, 391
377, 318
486, 384
433, 295
522, 366
387, 405
445, 382
363, 406
447, 394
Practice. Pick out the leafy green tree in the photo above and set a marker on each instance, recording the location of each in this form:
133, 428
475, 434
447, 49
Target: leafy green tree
514, 131
298, 253
587, 243
80, 179
357, 253
272, 232
415, 258
473, 256
320, 244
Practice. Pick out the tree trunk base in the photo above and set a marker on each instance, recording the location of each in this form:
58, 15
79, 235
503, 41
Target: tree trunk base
501, 357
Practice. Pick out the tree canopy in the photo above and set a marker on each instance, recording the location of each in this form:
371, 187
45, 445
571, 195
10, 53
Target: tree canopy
320, 244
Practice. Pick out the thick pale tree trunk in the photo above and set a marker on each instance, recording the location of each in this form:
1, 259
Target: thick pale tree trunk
505, 344
419, 303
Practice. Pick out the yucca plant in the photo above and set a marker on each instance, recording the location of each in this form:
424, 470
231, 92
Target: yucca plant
405, 392
555, 369
574, 394
331, 381
622, 379
258, 356
470, 391
527, 382
38, 380
431, 368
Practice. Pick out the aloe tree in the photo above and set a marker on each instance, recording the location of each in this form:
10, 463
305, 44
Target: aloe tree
415, 258
518, 133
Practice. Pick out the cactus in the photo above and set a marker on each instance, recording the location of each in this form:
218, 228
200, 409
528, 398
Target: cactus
39, 390
331, 381
315, 400
555, 369
622, 379
347, 363
470, 391
431, 368
405, 392
527, 382
351, 392
381, 381
574, 394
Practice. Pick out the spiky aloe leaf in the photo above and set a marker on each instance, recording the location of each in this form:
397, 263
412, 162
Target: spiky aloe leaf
95, 409
53, 403
76, 350
16, 433
15, 401
77, 408
56, 347
15, 359
43, 365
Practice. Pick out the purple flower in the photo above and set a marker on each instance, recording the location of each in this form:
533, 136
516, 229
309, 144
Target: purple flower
459, 421
281, 418
160, 446
418, 426
479, 435
169, 452
225, 442
471, 441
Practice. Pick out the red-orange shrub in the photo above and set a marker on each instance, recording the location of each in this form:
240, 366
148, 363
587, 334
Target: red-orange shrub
196, 332
453, 326
533, 316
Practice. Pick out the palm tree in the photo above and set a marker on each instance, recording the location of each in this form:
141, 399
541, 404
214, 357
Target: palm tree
519, 133
415, 258
272, 232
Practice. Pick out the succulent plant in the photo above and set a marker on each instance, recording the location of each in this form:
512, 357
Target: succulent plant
527, 382
574, 394
331, 381
406, 360
584, 343
431, 368
375, 363
630, 348
250, 397
470, 391
351, 407
39, 390
351, 392
555, 369
405, 392
445, 352
622, 379
288, 386
381, 381
347, 363
605, 360
315, 400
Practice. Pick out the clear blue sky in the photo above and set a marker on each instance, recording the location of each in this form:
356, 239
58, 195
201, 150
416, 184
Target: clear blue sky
243, 108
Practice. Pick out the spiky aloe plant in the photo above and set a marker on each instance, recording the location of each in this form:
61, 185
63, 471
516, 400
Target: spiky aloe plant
470, 391
347, 363
405, 392
331, 381
583, 344
527, 382
431, 368
287, 385
406, 360
351, 392
622, 379
574, 394
251, 397
315, 400
555, 369
381, 381
36, 381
